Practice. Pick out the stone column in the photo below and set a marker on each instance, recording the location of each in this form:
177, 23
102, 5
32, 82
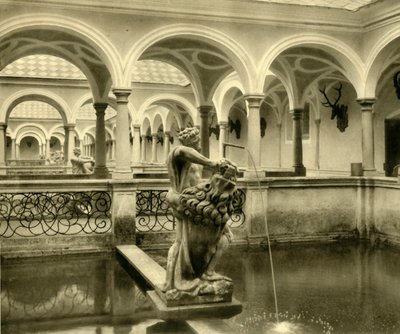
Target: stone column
204, 133
279, 126
317, 142
222, 137
100, 169
13, 149
136, 144
154, 147
113, 149
123, 161
17, 152
253, 133
298, 166
47, 154
367, 139
3, 143
143, 149
69, 143
167, 136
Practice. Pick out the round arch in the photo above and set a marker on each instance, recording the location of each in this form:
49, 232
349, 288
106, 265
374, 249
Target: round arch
41, 95
87, 99
375, 59
145, 125
40, 139
189, 107
344, 53
40, 130
242, 63
94, 39
224, 93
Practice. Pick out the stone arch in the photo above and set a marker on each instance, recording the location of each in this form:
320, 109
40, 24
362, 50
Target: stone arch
87, 99
241, 61
36, 95
146, 124
342, 52
224, 96
188, 106
378, 57
158, 120
41, 131
90, 50
41, 140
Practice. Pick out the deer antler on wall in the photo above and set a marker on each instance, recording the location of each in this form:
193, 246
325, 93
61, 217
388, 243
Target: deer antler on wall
338, 111
235, 126
396, 84
263, 126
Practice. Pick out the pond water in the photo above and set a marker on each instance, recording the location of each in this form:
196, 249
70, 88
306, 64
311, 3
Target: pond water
325, 288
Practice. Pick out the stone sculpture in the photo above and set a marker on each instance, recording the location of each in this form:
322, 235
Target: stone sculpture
202, 210
81, 164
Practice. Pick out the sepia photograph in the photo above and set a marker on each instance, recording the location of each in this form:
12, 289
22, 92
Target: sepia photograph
200, 166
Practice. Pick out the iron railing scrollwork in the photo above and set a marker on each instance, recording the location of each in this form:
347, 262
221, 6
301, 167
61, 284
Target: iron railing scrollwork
154, 215
152, 212
54, 213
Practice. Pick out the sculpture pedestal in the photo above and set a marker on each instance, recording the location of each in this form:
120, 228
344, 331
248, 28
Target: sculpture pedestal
138, 262
220, 291
210, 310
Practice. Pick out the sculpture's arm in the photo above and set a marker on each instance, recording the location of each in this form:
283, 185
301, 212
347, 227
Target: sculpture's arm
190, 154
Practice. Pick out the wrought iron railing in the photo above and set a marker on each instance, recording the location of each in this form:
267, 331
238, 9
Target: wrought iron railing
54, 213
154, 215
152, 212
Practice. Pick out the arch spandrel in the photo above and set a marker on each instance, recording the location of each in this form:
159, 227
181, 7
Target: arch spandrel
41, 95
346, 60
69, 39
218, 43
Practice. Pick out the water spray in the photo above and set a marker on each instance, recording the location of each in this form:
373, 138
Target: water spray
265, 222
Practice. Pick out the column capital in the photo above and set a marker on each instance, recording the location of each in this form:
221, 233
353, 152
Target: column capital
204, 110
167, 133
3, 126
100, 107
122, 94
297, 113
254, 100
136, 127
366, 103
69, 127
317, 121
223, 124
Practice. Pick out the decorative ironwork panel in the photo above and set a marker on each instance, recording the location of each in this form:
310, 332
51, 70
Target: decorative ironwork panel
152, 211
36, 214
238, 217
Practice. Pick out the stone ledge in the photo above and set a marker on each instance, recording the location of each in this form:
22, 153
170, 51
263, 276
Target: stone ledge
211, 310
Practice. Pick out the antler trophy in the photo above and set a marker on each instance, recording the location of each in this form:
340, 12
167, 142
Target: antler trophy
339, 111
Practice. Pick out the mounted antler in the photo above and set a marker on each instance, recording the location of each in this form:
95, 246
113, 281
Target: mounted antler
235, 126
339, 111
396, 83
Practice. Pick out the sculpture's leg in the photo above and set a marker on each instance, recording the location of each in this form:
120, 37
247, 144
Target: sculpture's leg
172, 258
222, 245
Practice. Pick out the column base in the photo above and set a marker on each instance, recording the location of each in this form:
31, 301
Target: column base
101, 172
253, 174
370, 172
125, 174
299, 171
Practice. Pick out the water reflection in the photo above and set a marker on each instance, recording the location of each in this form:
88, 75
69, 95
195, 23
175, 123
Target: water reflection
332, 288
69, 289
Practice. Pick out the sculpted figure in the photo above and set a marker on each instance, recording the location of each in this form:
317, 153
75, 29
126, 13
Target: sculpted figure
81, 164
202, 210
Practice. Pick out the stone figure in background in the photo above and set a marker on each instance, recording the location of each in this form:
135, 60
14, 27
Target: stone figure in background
201, 209
56, 158
81, 164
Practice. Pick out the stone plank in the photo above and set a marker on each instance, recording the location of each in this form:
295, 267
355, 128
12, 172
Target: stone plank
150, 270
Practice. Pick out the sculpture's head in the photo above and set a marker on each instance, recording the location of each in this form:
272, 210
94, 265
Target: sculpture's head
190, 137
77, 151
